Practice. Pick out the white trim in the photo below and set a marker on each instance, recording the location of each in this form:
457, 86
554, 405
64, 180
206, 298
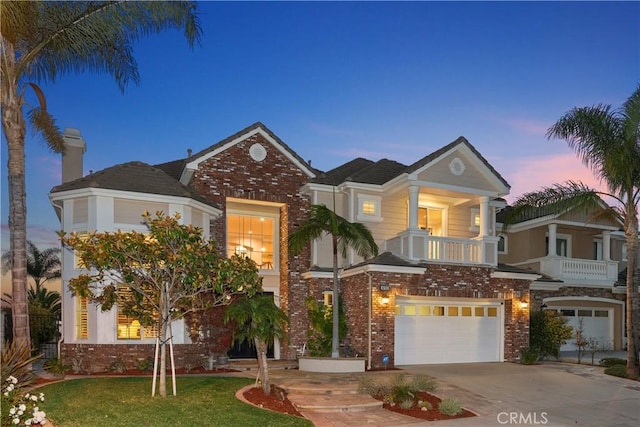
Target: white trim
546, 286
513, 275
379, 268
193, 165
120, 194
318, 275
552, 219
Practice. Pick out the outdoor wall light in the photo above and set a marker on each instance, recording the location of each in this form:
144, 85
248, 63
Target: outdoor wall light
385, 299
524, 304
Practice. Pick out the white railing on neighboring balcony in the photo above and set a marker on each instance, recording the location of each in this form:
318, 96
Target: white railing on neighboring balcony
418, 245
579, 270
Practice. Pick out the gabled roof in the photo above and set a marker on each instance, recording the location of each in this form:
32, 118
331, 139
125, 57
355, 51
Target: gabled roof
460, 140
368, 172
257, 127
136, 177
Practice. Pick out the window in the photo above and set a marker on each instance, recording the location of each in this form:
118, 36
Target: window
479, 312
409, 310
438, 311
424, 310
475, 219
585, 313
597, 249
452, 311
563, 245
601, 313
432, 220
567, 312
328, 298
252, 236
128, 327
502, 244
82, 318
369, 208
492, 311
624, 252
466, 311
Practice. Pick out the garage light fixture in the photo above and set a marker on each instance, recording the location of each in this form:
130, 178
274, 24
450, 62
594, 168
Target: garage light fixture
524, 304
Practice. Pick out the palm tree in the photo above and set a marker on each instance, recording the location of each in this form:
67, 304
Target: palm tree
260, 320
608, 142
41, 265
344, 235
41, 41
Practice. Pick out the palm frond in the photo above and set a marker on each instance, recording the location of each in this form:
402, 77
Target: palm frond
553, 200
96, 36
44, 124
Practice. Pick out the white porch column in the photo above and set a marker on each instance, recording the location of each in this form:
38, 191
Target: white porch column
606, 245
414, 190
484, 216
553, 228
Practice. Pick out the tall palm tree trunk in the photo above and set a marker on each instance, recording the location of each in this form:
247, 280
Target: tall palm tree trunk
633, 298
14, 128
335, 338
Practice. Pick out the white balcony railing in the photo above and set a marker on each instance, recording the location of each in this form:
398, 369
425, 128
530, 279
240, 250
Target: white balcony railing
579, 270
418, 245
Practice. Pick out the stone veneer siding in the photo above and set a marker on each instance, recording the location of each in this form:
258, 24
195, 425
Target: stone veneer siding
233, 173
439, 280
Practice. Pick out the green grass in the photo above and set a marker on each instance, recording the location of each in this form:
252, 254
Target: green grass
201, 401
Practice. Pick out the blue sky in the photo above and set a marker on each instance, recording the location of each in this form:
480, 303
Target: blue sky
338, 80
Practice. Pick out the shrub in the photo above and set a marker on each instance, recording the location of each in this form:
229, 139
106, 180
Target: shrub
15, 361
423, 383
117, 366
145, 365
18, 407
529, 356
406, 403
56, 367
547, 332
607, 362
617, 371
449, 406
320, 334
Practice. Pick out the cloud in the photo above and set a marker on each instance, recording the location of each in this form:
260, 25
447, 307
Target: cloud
533, 173
529, 126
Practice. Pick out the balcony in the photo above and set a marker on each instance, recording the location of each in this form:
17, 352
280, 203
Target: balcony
418, 245
584, 272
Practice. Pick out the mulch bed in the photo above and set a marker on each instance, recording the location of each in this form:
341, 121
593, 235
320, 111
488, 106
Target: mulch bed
276, 401
430, 415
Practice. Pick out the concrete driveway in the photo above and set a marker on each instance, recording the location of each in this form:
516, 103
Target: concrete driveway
549, 394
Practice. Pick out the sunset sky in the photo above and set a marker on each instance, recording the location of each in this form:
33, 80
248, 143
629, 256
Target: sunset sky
338, 80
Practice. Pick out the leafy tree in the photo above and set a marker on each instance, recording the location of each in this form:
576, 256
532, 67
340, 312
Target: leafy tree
344, 235
548, 332
170, 272
608, 142
41, 41
258, 319
321, 331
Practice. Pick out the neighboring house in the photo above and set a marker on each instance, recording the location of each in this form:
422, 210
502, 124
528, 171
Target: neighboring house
580, 257
435, 294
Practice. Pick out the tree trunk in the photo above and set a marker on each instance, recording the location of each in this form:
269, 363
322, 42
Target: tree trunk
263, 369
632, 303
13, 125
335, 338
164, 326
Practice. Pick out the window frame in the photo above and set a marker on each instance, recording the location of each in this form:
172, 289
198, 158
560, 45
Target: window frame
275, 259
363, 199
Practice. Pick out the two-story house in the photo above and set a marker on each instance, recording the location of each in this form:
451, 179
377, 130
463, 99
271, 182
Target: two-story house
435, 294
579, 256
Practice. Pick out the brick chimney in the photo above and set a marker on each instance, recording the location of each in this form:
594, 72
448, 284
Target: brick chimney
72, 157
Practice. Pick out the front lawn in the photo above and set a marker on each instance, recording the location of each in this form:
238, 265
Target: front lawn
201, 401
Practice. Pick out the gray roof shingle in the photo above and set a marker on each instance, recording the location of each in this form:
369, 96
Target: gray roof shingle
137, 177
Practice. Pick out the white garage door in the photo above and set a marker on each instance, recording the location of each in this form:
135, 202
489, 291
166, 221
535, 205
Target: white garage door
596, 324
429, 331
